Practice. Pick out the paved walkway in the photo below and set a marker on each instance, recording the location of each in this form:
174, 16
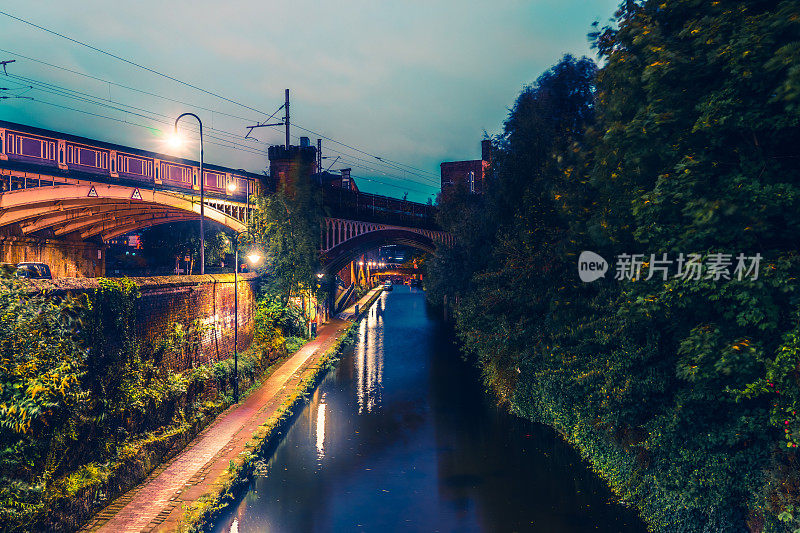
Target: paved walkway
156, 504
350, 312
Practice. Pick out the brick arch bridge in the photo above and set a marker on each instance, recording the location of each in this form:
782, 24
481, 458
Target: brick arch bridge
343, 241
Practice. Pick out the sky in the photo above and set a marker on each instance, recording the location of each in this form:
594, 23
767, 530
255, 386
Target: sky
413, 83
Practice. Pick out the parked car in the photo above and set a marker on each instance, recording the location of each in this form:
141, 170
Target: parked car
33, 271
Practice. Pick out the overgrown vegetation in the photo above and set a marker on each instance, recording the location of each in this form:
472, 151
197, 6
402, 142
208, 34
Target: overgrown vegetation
683, 393
86, 410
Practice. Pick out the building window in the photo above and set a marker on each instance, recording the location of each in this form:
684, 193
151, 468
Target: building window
471, 178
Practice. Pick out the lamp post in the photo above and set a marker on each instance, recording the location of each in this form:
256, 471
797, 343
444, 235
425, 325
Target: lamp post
253, 257
202, 192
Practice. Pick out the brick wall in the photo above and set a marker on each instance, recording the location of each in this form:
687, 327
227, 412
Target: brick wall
458, 171
166, 300
65, 258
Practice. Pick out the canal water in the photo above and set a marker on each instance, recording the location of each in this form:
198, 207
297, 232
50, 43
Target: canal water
402, 437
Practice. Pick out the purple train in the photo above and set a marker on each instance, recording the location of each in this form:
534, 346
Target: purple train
30, 149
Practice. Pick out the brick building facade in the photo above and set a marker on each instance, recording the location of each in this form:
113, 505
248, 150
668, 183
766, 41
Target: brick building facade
472, 173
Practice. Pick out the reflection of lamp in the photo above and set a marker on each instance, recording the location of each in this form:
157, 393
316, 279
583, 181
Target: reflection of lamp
253, 256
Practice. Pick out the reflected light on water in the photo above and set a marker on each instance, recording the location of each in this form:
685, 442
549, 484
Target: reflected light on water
234, 526
321, 429
369, 360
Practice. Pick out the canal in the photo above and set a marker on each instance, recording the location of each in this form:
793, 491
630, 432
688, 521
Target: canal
402, 437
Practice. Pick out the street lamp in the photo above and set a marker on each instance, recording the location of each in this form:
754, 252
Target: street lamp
202, 191
253, 256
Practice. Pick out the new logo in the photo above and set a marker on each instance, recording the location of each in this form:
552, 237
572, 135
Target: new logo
591, 266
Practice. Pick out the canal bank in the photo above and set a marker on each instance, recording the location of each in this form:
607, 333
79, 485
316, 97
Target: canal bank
182, 494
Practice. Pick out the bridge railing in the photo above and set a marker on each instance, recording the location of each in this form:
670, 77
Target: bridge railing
367, 207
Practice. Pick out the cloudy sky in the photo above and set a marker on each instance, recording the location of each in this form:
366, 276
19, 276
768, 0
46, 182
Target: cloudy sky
412, 82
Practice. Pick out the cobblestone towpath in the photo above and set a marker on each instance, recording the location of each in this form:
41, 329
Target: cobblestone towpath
157, 503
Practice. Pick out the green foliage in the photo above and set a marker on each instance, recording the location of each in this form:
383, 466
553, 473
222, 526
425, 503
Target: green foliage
286, 227
80, 393
683, 394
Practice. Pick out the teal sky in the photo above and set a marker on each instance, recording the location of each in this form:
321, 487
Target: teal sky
411, 81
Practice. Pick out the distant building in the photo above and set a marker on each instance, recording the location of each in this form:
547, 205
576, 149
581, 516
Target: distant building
339, 181
471, 173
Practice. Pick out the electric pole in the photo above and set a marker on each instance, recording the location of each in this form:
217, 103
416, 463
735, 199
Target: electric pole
266, 125
319, 155
286, 122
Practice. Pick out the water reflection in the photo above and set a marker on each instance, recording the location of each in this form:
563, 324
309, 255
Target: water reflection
400, 436
321, 429
369, 358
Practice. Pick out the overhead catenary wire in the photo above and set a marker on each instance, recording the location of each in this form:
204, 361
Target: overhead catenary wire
61, 106
88, 98
128, 87
245, 148
384, 160
118, 103
130, 62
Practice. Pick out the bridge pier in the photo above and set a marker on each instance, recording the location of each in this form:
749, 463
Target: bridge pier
73, 259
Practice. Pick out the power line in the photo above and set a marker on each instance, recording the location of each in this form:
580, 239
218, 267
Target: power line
245, 149
61, 106
128, 61
387, 161
382, 159
123, 86
84, 97
39, 100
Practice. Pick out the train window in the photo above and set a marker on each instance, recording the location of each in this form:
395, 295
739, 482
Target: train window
156, 172
194, 178
60, 155
113, 166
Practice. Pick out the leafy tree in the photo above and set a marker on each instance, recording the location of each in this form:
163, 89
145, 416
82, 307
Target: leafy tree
42, 367
286, 227
682, 393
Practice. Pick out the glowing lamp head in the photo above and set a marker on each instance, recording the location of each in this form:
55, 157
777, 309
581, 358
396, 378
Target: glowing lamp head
253, 256
175, 140
320, 275
361, 263
232, 186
